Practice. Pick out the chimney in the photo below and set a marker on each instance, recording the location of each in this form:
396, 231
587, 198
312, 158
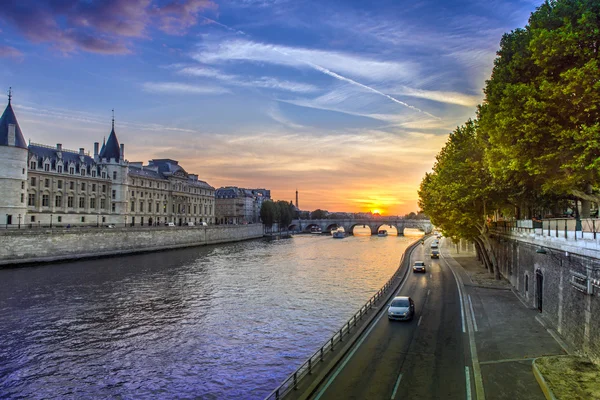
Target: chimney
96, 145
122, 151
58, 147
81, 151
11, 134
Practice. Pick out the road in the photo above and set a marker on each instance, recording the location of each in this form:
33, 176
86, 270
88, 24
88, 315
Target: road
421, 359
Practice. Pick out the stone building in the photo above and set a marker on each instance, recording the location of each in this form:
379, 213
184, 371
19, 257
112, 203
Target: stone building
49, 185
238, 205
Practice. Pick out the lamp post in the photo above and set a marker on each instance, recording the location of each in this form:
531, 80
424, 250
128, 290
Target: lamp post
50, 221
19, 221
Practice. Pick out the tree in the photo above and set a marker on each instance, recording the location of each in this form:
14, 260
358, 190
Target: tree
269, 213
319, 214
284, 214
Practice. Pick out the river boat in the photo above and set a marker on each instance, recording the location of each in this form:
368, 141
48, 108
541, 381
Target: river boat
315, 230
382, 232
339, 234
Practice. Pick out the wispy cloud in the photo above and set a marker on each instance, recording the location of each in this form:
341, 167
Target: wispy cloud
177, 87
460, 99
11, 52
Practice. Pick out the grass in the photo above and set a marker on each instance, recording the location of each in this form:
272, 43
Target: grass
571, 377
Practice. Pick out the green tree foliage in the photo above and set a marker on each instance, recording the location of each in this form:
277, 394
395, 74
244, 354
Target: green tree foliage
284, 214
319, 214
541, 112
269, 213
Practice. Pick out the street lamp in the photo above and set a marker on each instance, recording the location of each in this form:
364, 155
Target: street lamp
50, 221
19, 221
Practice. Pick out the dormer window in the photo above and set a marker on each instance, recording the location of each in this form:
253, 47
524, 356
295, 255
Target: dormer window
93, 173
82, 171
46, 167
32, 165
72, 170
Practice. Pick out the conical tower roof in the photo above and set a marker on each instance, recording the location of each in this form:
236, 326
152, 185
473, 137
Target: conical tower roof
8, 117
111, 149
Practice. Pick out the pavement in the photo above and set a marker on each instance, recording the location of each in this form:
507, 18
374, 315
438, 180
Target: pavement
507, 335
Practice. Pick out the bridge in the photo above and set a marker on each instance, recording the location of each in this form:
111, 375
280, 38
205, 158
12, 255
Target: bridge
327, 225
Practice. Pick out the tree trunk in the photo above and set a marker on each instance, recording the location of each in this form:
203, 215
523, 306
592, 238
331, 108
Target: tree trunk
484, 256
490, 252
585, 203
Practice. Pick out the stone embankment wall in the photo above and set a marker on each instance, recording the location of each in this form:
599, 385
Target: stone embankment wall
567, 283
29, 246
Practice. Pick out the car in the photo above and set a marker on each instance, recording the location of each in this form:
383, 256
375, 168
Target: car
203, 224
439, 236
170, 224
435, 254
434, 246
419, 266
402, 308
190, 224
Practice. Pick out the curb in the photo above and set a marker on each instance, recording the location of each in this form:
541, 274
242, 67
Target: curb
542, 382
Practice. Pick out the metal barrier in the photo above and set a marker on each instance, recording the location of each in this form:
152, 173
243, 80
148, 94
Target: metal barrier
566, 228
305, 369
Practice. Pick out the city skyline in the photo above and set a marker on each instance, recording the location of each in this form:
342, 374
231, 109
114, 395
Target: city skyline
347, 102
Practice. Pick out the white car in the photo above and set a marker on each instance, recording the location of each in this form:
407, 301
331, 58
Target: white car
419, 266
170, 224
401, 308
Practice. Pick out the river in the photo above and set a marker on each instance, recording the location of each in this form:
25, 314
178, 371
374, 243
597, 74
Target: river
215, 322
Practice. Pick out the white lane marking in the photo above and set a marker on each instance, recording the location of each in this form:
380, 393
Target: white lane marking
428, 292
396, 386
468, 379
420, 318
357, 346
473, 314
430, 276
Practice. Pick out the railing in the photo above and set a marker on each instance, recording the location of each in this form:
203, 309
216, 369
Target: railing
91, 225
291, 383
566, 228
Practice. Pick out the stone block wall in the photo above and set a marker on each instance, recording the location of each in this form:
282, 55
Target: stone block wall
17, 247
573, 313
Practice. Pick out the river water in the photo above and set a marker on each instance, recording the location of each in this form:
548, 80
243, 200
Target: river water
217, 322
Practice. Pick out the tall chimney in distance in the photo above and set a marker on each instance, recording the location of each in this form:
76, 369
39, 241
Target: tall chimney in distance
122, 152
96, 146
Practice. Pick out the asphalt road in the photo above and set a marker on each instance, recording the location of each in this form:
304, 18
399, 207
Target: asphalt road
420, 359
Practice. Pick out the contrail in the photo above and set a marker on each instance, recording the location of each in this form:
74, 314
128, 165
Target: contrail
331, 73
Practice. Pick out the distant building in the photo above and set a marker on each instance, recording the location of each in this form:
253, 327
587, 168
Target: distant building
45, 185
238, 205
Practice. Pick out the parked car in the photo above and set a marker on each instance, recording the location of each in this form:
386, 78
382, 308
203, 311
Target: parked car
203, 224
190, 223
419, 266
435, 254
401, 308
170, 224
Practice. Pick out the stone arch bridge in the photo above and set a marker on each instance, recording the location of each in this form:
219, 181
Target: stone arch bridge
327, 225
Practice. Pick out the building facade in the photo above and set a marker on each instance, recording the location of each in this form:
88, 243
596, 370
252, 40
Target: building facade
50, 185
238, 205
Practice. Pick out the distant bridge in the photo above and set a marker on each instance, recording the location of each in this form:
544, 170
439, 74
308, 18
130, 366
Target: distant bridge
327, 225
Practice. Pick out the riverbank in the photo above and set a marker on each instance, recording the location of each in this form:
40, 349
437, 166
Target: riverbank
49, 245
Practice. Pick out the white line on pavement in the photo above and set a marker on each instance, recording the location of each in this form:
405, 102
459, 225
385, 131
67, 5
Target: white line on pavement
473, 314
396, 386
429, 291
419, 323
468, 378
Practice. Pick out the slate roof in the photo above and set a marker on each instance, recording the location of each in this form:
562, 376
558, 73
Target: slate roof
8, 117
166, 167
111, 149
43, 152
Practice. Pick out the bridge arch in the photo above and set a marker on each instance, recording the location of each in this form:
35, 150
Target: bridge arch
391, 229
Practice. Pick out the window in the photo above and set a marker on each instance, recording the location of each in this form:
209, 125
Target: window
70, 201
141, 183
82, 219
81, 202
165, 208
141, 206
31, 199
194, 209
132, 209
114, 175
46, 182
157, 207
82, 170
32, 165
46, 167
59, 169
59, 184
45, 200
132, 193
23, 171
71, 185
58, 201
103, 175
93, 187
93, 202
59, 218
22, 185
103, 204
71, 170
22, 198
93, 173
103, 188
82, 186
33, 181
33, 218
114, 207
114, 194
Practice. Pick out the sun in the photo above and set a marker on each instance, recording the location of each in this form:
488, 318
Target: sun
376, 211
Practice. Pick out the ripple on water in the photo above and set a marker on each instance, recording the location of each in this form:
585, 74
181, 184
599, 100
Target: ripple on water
228, 321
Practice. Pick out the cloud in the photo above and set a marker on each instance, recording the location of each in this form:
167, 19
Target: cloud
261, 82
440, 96
10, 52
99, 26
182, 88
354, 65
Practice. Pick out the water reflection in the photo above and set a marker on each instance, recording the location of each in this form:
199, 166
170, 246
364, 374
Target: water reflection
213, 322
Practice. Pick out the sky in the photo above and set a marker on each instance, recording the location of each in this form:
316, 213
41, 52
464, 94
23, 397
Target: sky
346, 101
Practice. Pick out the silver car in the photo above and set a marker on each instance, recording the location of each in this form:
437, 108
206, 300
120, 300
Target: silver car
401, 308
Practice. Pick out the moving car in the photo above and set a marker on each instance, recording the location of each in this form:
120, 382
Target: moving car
434, 245
401, 308
435, 254
419, 266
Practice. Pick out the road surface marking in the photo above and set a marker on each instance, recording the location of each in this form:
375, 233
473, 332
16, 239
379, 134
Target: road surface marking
430, 276
420, 318
473, 314
472, 346
357, 346
429, 291
396, 386
468, 378
506, 360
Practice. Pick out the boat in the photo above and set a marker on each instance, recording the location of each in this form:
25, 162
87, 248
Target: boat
382, 232
339, 234
315, 230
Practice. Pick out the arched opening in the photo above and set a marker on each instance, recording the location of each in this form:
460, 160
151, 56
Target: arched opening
360, 230
391, 230
312, 228
412, 232
333, 227
293, 228
539, 289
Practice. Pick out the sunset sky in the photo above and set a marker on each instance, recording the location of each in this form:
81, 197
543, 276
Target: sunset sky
347, 101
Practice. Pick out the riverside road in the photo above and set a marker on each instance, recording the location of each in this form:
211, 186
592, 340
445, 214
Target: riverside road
426, 358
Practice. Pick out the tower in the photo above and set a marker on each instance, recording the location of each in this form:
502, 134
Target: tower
13, 168
297, 200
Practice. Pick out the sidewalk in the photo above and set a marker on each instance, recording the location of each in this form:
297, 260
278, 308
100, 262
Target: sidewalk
507, 335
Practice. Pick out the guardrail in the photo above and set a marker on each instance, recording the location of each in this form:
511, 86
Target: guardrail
567, 228
293, 379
